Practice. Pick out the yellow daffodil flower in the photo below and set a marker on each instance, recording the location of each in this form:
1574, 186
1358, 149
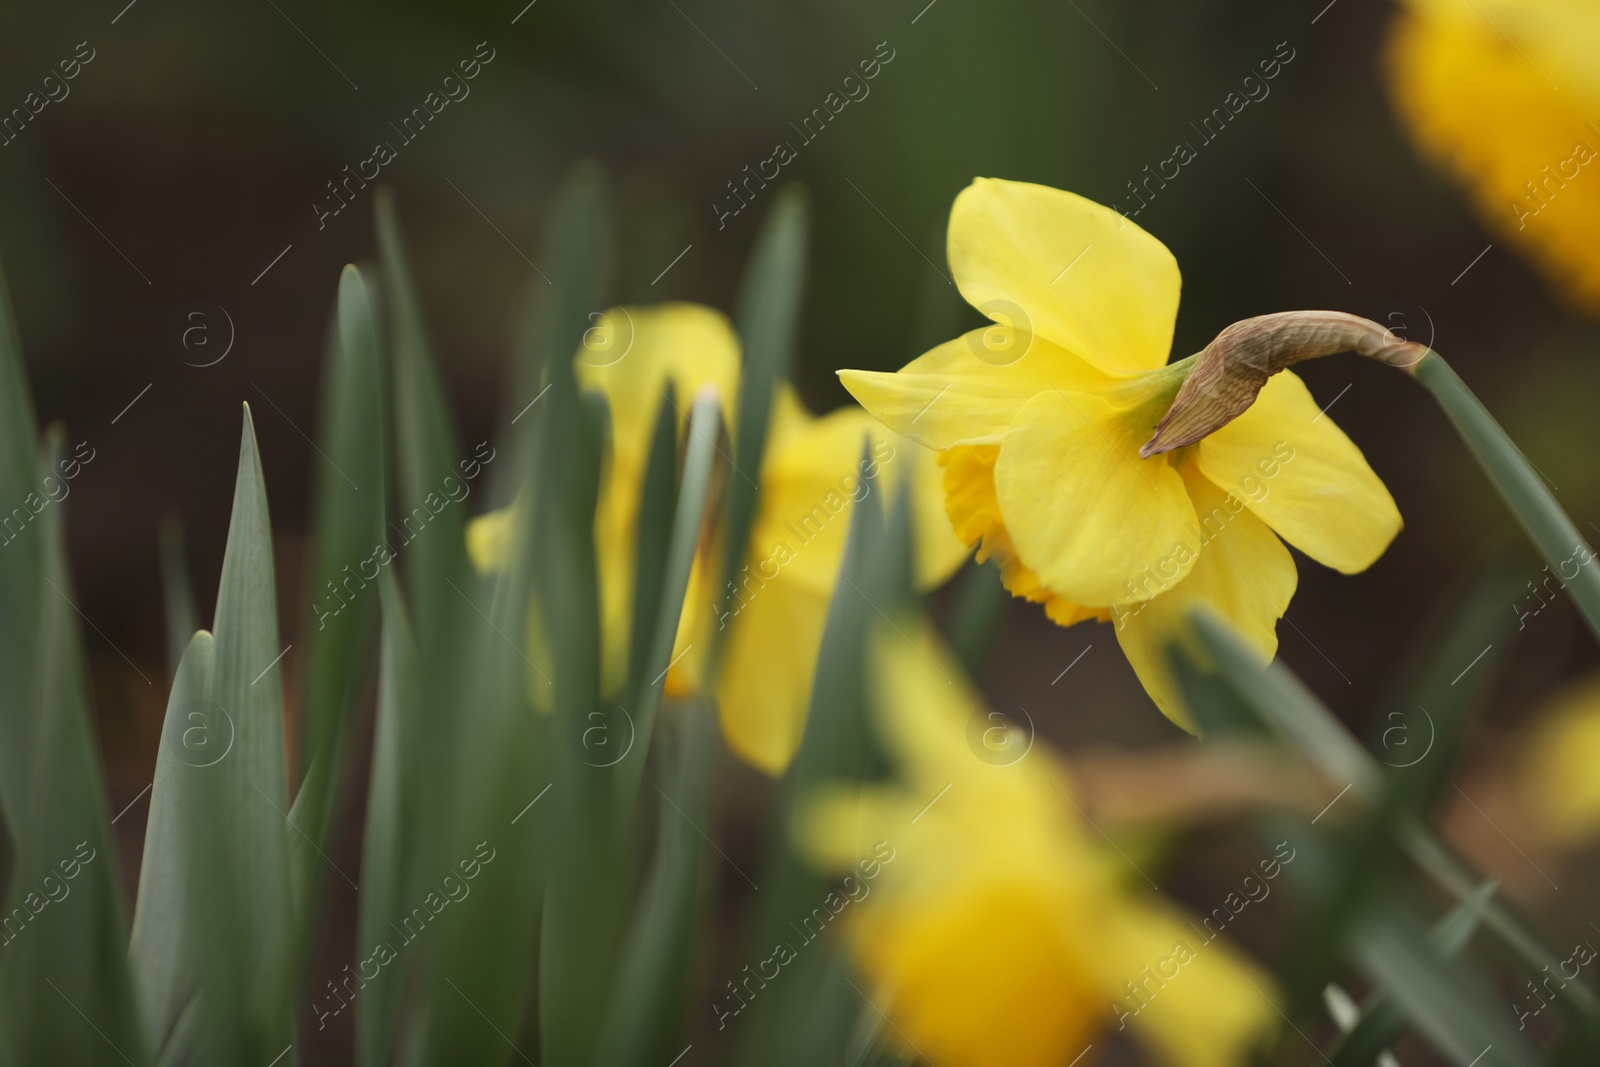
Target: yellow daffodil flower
1555, 778
636, 358
1038, 422
1505, 95
996, 928
816, 469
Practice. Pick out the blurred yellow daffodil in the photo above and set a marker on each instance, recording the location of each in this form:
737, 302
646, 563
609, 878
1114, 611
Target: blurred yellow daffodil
1038, 421
1005, 933
1505, 95
637, 358
815, 470
1555, 779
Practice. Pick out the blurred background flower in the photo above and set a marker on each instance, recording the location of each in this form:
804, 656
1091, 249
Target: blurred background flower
1504, 96
647, 362
1555, 779
1002, 930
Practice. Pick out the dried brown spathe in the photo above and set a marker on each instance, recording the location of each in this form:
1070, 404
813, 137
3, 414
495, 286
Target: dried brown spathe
1231, 370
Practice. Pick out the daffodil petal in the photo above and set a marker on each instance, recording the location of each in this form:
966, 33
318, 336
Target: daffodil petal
767, 671
1555, 777
489, 540
814, 475
1068, 269
811, 481
816, 472
982, 976
1297, 471
1243, 574
1476, 83
924, 702
489, 546
686, 670
638, 358
996, 932
1198, 1003
835, 827
966, 390
1087, 515
630, 353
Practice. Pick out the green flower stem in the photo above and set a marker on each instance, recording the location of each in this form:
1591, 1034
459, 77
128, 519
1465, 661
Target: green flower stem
1293, 714
1522, 488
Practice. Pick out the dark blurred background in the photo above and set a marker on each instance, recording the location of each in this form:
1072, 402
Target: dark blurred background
185, 164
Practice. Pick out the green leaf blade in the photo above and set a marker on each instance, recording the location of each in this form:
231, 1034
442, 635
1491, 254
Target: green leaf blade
22, 554
162, 927
390, 816
67, 992
768, 321
1448, 1002
427, 448
177, 593
348, 554
1381, 1023
654, 976
240, 882
682, 545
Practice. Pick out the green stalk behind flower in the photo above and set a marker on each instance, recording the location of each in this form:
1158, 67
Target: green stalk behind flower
1519, 485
